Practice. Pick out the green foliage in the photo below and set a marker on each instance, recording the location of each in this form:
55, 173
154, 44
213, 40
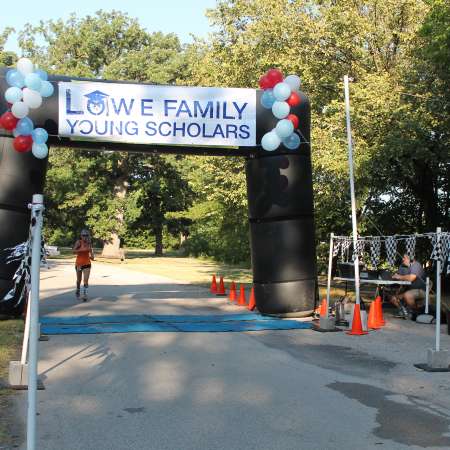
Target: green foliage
401, 153
397, 53
7, 59
114, 194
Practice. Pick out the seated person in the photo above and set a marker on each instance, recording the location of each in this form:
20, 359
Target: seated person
413, 294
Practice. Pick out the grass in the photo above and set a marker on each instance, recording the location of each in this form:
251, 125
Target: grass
11, 332
199, 271
190, 270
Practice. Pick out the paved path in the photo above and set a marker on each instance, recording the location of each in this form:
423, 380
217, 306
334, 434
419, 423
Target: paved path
266, 390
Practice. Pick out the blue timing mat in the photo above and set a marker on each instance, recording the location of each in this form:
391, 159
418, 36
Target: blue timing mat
134, 323
89, 320
208, 327
103, 328
255, 325
146, 318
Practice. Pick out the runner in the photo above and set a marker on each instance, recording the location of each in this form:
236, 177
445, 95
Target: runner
84, 252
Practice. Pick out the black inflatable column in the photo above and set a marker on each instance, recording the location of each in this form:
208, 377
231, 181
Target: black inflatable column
21, 176
282, 234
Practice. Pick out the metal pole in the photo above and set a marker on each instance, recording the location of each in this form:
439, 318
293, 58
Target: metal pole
26, 333
352, 186
330, 263
427, 294
37, 208
438, 294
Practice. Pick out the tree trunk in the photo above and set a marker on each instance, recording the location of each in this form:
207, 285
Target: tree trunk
159, 241
424, 189
111, 248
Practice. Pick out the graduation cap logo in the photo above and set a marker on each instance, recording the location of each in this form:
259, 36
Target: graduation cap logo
97, 103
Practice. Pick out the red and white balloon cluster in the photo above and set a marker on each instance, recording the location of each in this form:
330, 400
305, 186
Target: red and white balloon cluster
279, 95
28, 85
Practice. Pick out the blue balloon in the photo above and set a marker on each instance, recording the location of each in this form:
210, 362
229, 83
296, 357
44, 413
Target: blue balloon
39, 136
284, 128
39, 150
270, 141
267, 99
282, 91
292, 142
42, 74
25, 126
13, 94
15, 78
46, 89
33, 81
280, 109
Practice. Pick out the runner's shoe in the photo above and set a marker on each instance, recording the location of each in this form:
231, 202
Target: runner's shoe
77, 293
402, 313
85, 293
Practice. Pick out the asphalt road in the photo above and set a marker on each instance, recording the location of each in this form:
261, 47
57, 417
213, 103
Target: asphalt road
265, 390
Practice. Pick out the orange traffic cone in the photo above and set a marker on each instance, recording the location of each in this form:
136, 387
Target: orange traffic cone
323, 308
252, 303
213, 288
242, 301
221, 289
379, 311
356, 323
232, 296
372, 321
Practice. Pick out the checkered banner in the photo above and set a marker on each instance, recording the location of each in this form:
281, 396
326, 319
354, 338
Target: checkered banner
436, 252
336, 247
360, 246
22, 277
445, 246
345, 245
441, 249
410, 246
375, 251
448, 259
391, 249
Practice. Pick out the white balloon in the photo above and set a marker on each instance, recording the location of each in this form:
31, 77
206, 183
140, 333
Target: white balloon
282, 91
270, 141
293, 81
284, 128
280, 109
31, 98
19, 110
25, 66
40, 151
13, 94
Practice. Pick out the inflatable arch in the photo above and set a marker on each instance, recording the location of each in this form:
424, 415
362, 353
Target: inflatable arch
106, 115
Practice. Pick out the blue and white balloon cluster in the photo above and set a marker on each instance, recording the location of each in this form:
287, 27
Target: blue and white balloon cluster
280, 94
28, 85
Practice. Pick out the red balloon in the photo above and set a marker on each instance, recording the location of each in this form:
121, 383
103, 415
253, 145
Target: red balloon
264, 82
274, 76
294, 119
293, 100
23, 143
8, 121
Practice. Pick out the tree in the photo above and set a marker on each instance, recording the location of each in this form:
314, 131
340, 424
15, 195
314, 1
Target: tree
372, 41
107, 45
7, 58
159, 188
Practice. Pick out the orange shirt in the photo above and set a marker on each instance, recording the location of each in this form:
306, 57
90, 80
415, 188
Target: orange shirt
83, 256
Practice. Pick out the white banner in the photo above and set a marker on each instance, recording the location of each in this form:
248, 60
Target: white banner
144, 114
